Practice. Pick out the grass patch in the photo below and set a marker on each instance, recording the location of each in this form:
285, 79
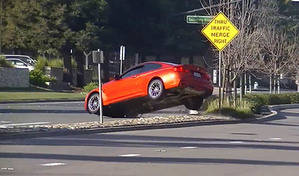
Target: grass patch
36, 94
251, 105
243, 109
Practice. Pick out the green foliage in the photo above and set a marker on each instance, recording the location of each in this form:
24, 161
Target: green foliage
4, 63
55, 63
259, 100
74, 63
251, 104
37, 77
41, 63
90, 87
243, 110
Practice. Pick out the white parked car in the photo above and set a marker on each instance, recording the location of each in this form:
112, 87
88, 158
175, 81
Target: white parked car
24, 58
18, 63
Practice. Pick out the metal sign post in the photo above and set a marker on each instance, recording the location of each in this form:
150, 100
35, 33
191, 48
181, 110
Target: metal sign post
98, 57
122, 58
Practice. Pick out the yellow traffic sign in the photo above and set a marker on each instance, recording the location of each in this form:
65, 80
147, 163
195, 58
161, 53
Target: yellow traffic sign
220, 31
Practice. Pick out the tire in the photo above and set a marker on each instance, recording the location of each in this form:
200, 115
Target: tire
93, 105
193, 103
155, 89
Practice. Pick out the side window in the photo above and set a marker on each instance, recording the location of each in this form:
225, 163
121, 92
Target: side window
132, 72
150, 67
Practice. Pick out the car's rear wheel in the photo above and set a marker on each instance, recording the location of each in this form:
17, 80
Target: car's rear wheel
193, 103
93, 104
155, 89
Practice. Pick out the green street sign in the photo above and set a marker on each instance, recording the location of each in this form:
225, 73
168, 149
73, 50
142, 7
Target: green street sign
194, 19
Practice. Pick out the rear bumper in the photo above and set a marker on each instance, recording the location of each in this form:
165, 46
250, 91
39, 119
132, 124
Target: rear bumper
204, 89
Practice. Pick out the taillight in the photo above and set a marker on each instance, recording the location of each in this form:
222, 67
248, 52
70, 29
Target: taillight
180, 69
207, 77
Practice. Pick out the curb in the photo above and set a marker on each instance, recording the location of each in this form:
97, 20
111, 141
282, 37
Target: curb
64, 132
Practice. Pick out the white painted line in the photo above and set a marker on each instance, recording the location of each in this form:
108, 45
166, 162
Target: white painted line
274, 139
53, 164
22, 124
188, 147
236, 142
3, 121
130, 155
161, 150
8, 168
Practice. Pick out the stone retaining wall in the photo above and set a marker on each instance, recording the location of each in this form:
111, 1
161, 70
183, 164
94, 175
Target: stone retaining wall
14, 77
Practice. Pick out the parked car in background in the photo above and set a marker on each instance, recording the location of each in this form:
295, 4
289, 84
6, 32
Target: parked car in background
18, 63
24, 58
152, 86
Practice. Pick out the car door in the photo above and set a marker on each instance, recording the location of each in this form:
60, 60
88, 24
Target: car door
124, 88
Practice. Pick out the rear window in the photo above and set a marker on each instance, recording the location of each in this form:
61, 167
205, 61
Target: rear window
150, 67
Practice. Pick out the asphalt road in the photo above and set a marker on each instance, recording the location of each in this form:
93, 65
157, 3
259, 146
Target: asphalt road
22, 114
267, 147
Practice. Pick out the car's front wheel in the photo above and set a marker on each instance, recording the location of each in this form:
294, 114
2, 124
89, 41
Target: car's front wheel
155, 89
93, 104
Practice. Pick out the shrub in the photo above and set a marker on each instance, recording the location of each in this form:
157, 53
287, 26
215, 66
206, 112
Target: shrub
74, 63
243, 110
55, 63
41, 63
294, 97
36, 77
251, 104
90, 87
4, 63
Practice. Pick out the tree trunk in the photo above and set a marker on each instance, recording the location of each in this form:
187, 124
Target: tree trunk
270, 87
241, 87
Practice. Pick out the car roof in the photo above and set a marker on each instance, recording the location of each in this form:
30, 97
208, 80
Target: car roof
157, 62
10, 59
13, 55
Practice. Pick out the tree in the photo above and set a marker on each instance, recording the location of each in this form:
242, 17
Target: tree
275, 44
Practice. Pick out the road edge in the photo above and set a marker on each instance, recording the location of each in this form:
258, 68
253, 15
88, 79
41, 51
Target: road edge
63, 132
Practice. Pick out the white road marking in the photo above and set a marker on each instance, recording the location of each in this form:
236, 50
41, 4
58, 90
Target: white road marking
130, 155
188, 147
236, 142
274, 139
22, 124
3, 121
161, 150
8, 168
53, 164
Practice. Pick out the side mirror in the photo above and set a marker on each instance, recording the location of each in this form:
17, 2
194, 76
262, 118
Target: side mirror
116, 77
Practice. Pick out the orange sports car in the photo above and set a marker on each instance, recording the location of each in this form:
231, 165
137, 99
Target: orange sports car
151, 86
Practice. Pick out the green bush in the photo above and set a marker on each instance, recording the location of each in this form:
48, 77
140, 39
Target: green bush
74, 63
251, 104
41, 63
55, 63
260, 100
294, 97
90, 87
37, 77
243, 110
4, 63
